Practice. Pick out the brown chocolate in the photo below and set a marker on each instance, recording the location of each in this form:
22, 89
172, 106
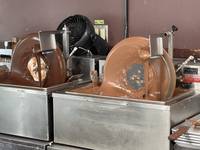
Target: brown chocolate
95, 79
178, 91
4, 69
4, 73
134, 50
178, 133
27, 49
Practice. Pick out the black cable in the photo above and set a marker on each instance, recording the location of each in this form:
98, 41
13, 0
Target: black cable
125, 18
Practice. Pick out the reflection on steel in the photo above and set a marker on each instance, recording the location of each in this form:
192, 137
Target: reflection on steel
27, 112
103, 122
18, 143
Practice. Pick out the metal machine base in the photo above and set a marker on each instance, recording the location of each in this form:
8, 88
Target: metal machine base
17, 143
176, 147
63, 147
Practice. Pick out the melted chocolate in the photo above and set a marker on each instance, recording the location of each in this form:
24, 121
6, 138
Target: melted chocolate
4, 73
28, 48
38, 54
134, 50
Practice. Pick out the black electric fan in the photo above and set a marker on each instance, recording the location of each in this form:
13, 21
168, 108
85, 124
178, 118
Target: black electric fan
82, 35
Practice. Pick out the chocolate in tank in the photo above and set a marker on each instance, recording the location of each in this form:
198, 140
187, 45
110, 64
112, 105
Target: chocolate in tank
37, 54
123, 58
24, 52
145, 55
126, 54
129, 72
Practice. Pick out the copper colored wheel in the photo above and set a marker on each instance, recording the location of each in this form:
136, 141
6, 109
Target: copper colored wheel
124, 72
23, 71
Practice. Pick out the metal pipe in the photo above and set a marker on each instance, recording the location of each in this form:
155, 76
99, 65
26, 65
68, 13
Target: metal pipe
185, 62
66, 48
170, 44
66, 42
125, 18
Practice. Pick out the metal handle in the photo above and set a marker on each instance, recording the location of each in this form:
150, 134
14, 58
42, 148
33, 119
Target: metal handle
185, 62
178, 133
174, 28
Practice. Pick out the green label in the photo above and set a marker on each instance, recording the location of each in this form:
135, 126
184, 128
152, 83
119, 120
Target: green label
98, 21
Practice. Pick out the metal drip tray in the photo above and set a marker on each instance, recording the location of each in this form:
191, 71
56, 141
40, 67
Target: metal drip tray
190, 139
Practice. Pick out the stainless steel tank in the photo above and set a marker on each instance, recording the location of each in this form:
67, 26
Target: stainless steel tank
104, 122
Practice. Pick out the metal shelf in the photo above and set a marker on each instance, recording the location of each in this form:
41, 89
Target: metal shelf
6, 52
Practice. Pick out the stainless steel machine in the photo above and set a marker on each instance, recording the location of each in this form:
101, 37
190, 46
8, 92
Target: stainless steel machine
59, 117
5, 53
108, 122
38, 68
103, 122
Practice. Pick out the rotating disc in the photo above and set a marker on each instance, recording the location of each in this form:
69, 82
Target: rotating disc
124, 72
24, 67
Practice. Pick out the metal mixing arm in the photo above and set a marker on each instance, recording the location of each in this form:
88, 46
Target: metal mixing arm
185, 62
156, 43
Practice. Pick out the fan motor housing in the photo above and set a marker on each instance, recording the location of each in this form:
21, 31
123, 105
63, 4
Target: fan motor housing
82, 36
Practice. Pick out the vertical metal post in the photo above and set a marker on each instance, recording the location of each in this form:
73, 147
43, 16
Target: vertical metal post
170, 44
66, 48
125, 18
65, 42
171, 40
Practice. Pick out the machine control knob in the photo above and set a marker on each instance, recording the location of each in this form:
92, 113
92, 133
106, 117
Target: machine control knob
174, 28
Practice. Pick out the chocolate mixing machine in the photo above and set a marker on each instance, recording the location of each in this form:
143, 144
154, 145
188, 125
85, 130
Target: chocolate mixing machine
134, 107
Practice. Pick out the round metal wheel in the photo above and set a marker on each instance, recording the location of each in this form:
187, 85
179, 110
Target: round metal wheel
124, 72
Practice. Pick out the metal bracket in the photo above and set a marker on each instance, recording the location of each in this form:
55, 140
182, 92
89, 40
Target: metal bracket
156, 43
48, 41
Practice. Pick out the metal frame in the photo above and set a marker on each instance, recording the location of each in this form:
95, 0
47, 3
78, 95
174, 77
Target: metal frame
28, 111
156, 43
104, 122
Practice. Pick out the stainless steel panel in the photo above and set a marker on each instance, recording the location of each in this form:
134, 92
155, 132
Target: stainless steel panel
47, 39
6, 52
110, 124
101, 69
103, 122
180, 145
189, 138
185, 108
17, 143
156, 44
25, 114
27, 111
